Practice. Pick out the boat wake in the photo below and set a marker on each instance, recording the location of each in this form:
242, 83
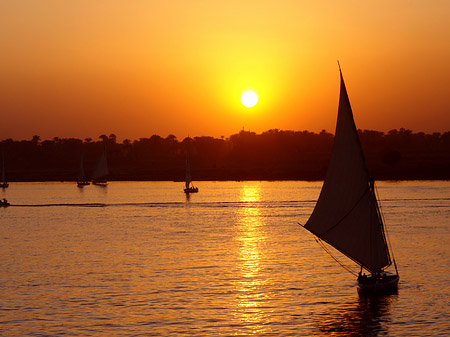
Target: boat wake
218, 204
60, 204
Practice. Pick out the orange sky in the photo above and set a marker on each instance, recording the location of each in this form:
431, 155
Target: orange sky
137, 68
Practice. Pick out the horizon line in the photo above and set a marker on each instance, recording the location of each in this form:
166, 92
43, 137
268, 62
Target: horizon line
170, 135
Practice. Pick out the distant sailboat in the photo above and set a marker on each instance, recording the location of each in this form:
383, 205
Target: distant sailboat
101, 170
189, 187
3, 183
81, 181
347, 215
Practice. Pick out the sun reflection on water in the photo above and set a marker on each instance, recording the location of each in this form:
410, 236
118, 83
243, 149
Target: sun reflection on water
251, 238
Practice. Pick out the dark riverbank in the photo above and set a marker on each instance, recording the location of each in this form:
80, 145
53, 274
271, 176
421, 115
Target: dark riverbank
272, 155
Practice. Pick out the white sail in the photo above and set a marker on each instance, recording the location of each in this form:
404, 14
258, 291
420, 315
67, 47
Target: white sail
188, 170
346, 214
101, 169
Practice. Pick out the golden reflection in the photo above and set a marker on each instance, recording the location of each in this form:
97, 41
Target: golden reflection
251, 238
367, 316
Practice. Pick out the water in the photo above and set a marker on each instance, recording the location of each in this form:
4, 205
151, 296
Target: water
140, 259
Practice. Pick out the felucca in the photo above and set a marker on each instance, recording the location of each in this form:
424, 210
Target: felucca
347, 215
3, 182
101, 170
81, 181
189, 187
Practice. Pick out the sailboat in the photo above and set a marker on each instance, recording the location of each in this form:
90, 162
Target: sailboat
3, 182
101, 170
347, 215
189, 187
81, 181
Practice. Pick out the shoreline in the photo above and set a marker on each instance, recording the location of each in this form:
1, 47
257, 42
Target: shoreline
220, 180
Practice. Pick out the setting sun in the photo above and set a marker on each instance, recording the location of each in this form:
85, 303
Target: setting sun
181, 68
249, 99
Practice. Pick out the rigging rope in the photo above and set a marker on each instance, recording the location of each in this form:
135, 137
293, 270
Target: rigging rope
334, 258
385, 229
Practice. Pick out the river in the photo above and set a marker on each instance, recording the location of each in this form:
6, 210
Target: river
142, 259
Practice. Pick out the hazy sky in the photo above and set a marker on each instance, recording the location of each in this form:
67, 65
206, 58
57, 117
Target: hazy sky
83, 68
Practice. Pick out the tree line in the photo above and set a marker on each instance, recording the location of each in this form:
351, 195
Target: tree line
271, 155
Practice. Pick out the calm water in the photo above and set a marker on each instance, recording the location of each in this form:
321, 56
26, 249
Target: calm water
140, 259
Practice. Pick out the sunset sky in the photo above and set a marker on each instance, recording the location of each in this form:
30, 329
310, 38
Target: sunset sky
137, 68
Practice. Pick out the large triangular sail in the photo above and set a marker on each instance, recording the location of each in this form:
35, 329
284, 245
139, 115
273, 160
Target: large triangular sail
346, 215
101, 169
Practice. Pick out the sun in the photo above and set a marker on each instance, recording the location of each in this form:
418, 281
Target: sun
249, 99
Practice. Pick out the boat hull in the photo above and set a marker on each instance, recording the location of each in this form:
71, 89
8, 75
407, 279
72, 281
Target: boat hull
4, 185
191, 190
83, 183
380, 284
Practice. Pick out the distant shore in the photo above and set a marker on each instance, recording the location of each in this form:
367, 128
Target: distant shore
274, 155
212, 180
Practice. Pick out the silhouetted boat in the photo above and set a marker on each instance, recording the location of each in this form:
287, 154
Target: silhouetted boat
189, 187
3, 183
347, 215
81, 181
101, 170
4, 203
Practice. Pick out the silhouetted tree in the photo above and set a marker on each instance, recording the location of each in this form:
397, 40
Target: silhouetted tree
104, 138
112, 138
273, 154
36, 139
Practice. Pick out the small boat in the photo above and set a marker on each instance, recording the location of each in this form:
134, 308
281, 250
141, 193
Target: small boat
81, 181
347, 215
4, 203
101, 170
3, 183
189, 187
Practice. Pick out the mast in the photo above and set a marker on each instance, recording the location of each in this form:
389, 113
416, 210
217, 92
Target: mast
3, 169
347, 215
81, 169
188, 170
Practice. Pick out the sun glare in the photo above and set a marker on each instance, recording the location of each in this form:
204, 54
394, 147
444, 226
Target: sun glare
249, 99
